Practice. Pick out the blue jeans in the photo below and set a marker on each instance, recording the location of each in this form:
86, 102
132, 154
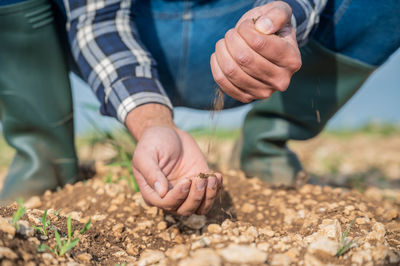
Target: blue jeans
181, 35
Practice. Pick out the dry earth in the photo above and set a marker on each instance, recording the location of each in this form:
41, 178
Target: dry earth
251, 223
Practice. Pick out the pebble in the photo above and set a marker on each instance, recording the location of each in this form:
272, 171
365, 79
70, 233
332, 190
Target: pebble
201, 243
325, 245
243, 254
33, 203
25, 229
84, 257
202, 257
150, 256
177, 252
214, 228
390, 214
281, 260
194, 221
161, 225
6, 227
6, 253
247, 208
359, 257
131, 249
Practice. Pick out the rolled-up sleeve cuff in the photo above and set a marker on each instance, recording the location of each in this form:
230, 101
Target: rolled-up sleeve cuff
129, 93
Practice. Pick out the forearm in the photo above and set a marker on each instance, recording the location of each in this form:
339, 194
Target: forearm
148, 115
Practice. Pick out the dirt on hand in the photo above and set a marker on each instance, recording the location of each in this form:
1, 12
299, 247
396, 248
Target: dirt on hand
250, 224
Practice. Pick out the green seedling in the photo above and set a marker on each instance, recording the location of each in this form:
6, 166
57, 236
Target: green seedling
45, 224
19, 213
65, 245
345, 244
122, 264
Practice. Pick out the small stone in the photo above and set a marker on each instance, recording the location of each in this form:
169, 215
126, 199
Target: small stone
118, 228
84, 257
264, 246
281, 260
310, 260
131, 249
243, 254
144, 225
6, 227
33, 203
227, 224
201, 243
214, 228
152, 211
390, 214
112, 208
361, 256
25, 229
150, 256
161, 225
195, 221
6, 253
178, 252
325, 245
248, 208
202, 257
362, 220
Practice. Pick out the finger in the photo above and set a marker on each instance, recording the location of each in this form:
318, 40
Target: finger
195, 197
149, 168
171, 201
277, 50
213, 187
253, 63
225, 84
274, 19
237, 76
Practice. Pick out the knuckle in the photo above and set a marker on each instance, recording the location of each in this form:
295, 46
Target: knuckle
246, 99
243, 59
230, 70
296, 64
282, 84
258, 43
266, 93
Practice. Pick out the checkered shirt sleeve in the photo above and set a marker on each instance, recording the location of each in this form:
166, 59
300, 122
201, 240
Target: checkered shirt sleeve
305, 16
117, 66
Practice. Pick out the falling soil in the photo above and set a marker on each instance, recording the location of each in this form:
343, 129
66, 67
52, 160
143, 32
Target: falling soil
218, 106
250, 224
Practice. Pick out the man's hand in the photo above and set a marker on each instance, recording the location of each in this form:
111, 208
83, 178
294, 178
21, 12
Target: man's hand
167, 162
258, 56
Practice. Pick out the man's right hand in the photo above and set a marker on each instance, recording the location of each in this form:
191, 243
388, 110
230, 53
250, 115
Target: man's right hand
167, 162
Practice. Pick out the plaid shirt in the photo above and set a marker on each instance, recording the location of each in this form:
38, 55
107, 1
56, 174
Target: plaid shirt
117, 66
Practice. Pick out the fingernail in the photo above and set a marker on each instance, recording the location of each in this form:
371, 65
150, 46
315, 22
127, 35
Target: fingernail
212, 182
158, 187
264, 25
201, 184
186, 186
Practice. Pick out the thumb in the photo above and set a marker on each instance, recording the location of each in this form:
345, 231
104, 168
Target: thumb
274, 19
150, 170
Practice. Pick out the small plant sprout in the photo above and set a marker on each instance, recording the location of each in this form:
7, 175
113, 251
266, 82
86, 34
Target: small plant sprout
45, 224
345, 244
18, 214
65, 245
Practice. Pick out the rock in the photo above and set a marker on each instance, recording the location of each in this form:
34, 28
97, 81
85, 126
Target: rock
202, 257
214, 228
152, 211
227, 224
281, 260
324, 245
118, 228
329, 228
33, 203
359, 257
201, 243
267, 232
379, 253
131, 249
310, 260
394, 257
6, 227
247, 208
251, 231
144, 225
378, 233
161, 225
178, 252
6, 253
243, 254
264, 246
84, 257
390, 214
25, 229
194, 221
150, 256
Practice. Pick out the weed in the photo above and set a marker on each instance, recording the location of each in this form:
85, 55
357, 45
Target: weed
19, 213
45, 224
122, 264
63, 246
345, 244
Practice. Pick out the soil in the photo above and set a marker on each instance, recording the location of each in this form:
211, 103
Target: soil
280, 224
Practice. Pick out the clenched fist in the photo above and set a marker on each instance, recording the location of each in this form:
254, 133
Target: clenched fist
258, 56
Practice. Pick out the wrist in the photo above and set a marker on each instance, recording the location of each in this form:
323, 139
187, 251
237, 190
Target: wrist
146, 116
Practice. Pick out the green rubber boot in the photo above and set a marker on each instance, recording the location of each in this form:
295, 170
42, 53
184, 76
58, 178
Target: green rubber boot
35, 101
325, 82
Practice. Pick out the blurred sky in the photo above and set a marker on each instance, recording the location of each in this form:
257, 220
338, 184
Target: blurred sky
377, 101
